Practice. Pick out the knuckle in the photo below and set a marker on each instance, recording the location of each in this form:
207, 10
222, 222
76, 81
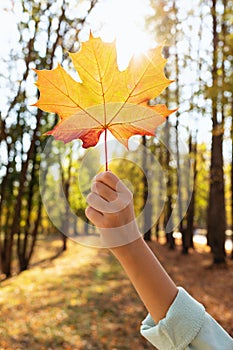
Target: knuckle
87, 211
114, 196
129, 195
118, 205
99, 176
96, 187
104, 176
93, 187
89, 198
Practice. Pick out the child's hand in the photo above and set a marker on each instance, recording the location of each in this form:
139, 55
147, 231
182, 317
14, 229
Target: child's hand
111, 210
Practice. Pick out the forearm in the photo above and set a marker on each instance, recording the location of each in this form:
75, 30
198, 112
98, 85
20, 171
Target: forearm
111, 209
155, 288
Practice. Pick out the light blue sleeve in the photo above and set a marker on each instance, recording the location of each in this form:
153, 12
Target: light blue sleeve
187, 326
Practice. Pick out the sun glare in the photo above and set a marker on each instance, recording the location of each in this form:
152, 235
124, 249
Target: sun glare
124, 20
8, 30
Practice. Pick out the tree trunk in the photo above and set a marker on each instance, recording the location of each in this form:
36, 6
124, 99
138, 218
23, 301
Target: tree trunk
15, 228
216, 210
168, 209
216, 223
177, 100
66, 187
191, 209
26, 240
146, 192
168, 205
232, 177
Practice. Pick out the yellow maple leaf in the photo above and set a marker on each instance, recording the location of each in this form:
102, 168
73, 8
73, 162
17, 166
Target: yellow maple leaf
106, 98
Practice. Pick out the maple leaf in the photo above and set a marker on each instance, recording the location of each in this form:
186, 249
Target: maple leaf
106, 98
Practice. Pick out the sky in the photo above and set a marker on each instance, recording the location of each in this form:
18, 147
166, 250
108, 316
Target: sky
8, 28
120, 19
125, 21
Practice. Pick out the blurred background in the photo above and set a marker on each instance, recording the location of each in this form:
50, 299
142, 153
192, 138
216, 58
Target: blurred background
196, 214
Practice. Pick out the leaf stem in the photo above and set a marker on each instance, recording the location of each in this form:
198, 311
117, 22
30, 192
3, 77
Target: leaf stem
105, 149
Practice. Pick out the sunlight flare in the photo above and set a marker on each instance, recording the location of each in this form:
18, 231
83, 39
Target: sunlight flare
124, 20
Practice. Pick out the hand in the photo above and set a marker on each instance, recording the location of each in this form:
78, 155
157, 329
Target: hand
111, 210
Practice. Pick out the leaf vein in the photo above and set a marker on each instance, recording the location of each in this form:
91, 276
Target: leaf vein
83, 109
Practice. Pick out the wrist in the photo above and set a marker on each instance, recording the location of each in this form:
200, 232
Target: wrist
129, 251
117, 237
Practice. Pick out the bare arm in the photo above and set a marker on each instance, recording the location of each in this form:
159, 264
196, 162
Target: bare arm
111, 209
154, 286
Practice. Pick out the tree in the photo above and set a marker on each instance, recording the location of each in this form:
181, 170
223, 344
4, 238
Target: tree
232, 179
66, 180
146, 192
216, 209
162, 23
191, 209
46, 29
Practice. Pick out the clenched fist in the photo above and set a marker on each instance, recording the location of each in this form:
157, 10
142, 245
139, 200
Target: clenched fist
111, 210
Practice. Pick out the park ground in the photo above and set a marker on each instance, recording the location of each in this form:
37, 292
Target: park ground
83, 300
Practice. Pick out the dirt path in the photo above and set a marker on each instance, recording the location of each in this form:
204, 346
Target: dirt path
83, 300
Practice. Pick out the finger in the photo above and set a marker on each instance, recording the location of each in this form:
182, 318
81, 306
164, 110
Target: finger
104, 191
111, 180
94, 216
108, 178
97, 202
